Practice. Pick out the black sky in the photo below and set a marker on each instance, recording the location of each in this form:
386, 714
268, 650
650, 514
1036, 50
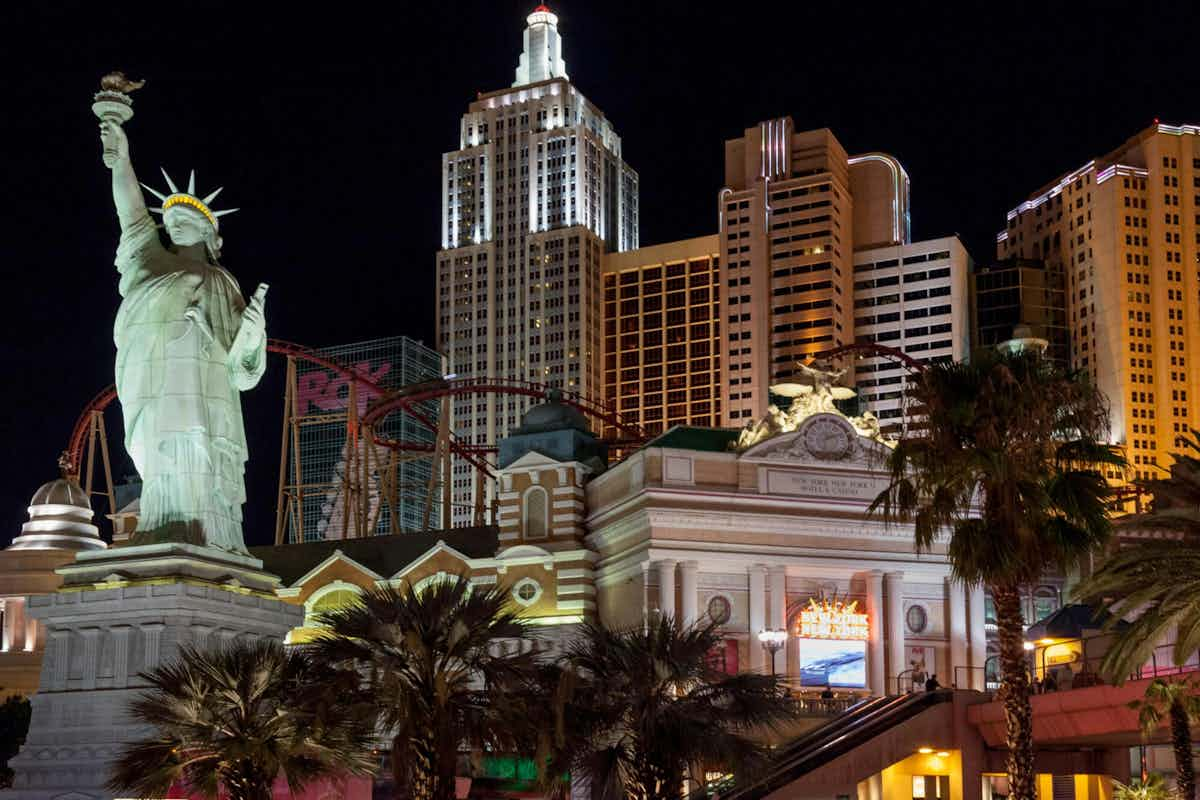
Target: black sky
326, 122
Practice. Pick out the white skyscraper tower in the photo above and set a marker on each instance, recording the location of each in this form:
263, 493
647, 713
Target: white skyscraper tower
535, 194
542, 58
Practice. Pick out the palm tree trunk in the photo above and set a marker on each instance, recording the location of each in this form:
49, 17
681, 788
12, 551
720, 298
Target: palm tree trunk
1014, 691
1181, 740
426, 770
244, 780
399, 771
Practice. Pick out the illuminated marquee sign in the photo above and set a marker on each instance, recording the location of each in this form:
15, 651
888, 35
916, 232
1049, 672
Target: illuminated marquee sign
833, 619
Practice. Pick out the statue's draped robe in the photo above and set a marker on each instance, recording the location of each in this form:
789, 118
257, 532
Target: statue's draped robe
179, 384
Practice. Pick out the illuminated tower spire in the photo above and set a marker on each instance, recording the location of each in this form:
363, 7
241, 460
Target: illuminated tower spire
542, 58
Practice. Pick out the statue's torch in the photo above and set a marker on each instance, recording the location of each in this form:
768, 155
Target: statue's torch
113, 103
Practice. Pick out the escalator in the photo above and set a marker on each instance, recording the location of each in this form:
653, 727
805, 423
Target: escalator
839, 736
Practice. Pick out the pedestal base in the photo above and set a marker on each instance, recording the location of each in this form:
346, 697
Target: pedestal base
117, 616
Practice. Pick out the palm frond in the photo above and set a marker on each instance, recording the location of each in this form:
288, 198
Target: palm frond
442, 668
1155, 587
240, 714
637, 707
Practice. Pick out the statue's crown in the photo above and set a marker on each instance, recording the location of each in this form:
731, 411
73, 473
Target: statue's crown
188, 198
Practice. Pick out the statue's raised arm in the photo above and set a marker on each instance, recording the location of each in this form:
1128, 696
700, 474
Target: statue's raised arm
114, 107
127, 195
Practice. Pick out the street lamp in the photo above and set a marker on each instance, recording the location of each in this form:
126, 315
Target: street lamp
773, 641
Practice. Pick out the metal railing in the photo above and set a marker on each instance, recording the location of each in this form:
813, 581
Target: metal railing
1079, 672
811, 706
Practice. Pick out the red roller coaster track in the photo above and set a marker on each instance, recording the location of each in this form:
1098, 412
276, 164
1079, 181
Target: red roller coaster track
867, 349
407, 400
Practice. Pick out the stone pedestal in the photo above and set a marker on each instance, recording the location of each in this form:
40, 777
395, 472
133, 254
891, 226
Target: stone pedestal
120, 612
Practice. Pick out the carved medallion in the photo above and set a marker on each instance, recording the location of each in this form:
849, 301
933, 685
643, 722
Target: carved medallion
828, 440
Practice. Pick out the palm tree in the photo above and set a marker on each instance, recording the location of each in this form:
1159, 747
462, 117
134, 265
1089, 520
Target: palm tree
1152, 788
1178, 700
1156, 583
435, 666
1007, 467
637, 711
14, 725
232, 719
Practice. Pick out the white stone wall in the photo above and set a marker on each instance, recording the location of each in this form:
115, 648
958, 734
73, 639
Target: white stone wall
98, 642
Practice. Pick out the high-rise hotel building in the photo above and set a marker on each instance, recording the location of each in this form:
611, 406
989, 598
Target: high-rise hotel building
662, 335
1125, 228
532, 198
818, 254
912, 297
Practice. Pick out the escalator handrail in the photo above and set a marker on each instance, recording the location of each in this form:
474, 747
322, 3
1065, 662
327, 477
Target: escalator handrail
899, 710
864, 714
809, 738
853, 712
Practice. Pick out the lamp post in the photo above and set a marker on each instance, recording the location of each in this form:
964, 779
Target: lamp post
772, 641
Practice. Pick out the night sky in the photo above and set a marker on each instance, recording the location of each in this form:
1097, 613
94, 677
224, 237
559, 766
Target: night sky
325, 123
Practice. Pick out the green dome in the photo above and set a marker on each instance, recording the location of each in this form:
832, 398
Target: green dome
553, 415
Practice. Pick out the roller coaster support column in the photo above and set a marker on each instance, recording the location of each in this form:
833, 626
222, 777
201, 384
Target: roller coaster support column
350, 508
479, 498
291, 435
96, 432
447, 483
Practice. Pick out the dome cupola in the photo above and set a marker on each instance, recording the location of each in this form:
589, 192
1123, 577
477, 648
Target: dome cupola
60, 518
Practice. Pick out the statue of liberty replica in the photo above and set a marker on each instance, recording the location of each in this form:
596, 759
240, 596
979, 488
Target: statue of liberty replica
187, 345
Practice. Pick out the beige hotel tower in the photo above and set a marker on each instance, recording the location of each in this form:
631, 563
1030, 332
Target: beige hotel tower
817, 254
1125, 228
813, 252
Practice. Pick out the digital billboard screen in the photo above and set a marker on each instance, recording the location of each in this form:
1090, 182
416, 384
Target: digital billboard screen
834, 663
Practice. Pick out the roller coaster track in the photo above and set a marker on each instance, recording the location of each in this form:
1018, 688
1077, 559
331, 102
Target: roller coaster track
407, 400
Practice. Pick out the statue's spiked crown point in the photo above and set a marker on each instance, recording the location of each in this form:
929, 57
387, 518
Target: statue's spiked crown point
188, 198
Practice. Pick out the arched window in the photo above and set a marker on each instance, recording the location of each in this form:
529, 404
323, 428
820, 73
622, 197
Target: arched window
535, 510
330, 597
437, 577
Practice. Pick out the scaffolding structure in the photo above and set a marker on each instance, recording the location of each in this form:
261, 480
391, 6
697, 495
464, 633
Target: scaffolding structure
339, 480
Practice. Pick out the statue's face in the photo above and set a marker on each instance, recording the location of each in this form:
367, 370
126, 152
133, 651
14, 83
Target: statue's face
186, 226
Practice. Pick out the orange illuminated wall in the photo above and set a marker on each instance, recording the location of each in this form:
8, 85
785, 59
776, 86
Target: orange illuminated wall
662, 362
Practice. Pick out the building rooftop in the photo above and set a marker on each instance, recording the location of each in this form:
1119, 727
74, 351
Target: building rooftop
686, 437
386, 555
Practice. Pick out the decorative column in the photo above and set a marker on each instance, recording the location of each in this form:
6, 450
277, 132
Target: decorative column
32, 637
200, 636
61, 640
666, 588
894, 597
688, 591
152, 637
777, 619
758, 615
91, 656
956, 629
778, 581
120, 637
876, 673
14, 625
978, 654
